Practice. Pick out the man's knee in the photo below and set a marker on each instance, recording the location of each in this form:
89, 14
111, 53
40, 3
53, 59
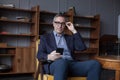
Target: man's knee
59, 65
96, 63
61, 62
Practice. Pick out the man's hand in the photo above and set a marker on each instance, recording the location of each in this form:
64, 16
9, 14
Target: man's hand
53, 56
71, 27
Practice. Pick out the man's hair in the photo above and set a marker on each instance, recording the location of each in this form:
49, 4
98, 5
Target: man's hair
59, 15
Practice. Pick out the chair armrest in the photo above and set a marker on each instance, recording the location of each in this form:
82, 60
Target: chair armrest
45, 61
41, 62
39, 69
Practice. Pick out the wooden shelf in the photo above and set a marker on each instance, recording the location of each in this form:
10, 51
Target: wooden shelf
16, 9
26, 35
49, 24
51, 13
47, 12
1, 55
85, 27
87, 17
88, 25
8, 47
89, 38
14, 73
20, 37
16, 21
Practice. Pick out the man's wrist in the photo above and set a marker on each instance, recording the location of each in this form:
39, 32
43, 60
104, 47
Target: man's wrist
74, 31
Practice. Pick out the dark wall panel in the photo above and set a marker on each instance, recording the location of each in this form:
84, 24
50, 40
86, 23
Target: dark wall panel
107, 16
49, 5
108, 9
82, 7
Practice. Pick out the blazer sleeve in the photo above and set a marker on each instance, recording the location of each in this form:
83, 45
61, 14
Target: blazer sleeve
78, 42
41, 49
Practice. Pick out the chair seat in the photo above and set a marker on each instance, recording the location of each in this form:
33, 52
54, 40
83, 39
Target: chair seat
50, 77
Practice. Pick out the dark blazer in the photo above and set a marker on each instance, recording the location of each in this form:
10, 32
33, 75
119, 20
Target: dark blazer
48, 44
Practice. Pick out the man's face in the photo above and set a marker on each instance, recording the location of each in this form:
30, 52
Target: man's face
59, 24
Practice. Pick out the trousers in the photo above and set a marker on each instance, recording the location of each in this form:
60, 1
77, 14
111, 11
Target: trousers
62, 68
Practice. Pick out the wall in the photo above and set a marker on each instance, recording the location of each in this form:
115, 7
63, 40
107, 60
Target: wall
108, 9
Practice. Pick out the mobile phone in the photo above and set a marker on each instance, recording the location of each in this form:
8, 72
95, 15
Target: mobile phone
60, 50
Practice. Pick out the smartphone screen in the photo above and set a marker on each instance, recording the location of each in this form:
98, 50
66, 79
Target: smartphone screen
60, 50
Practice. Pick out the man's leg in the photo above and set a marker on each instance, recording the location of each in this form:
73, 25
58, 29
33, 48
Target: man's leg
59, 69
90, 68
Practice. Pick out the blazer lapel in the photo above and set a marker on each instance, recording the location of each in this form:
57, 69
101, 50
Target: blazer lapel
68, 42
52, 41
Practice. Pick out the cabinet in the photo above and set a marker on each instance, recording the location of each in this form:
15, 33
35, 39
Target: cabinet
19, 30
88, 26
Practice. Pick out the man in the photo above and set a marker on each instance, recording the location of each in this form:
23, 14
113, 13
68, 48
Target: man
63, 64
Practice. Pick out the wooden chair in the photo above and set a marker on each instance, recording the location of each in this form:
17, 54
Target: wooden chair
39, 73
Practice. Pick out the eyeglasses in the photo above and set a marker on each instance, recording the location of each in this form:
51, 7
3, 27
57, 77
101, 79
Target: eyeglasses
59, 23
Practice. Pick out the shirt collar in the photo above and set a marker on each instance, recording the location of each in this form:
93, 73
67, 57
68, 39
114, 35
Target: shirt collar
57, 35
